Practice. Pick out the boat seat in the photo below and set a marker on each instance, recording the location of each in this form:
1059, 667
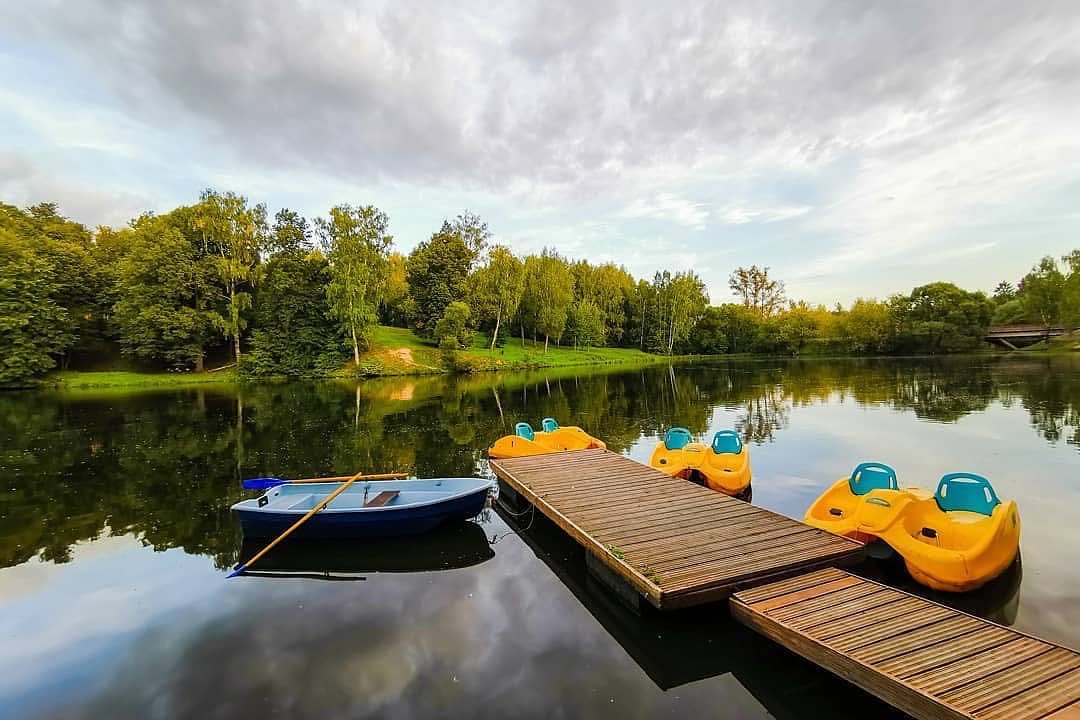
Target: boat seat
549, 424
966, 492
727, 442
384, 498
677, 438
869, 476
524, 430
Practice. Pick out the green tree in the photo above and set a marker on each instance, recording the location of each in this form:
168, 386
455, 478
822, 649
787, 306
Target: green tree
610, 288
940, 317
34, 327
797, 326
709, 336
237, 232
77, 283
1042, 291
1070, 294
357, 247
293, 332
682, 301
548, 293
757, 290
867, 327
396, 308
740, 326
585, 324
473, 232
165, 296
436, 272
495, 289
1004, 292
454, 325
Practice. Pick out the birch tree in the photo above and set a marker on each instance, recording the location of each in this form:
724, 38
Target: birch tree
236, 232
357, 247
495, 289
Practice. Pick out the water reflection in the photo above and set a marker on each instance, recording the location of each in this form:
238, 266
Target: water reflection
676, 649
87, 472
164, 465
447, 548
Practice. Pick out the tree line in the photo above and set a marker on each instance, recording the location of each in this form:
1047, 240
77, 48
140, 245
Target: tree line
294, 296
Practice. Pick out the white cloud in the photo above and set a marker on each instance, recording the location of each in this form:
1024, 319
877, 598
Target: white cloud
737, 130
671, 208
743, 215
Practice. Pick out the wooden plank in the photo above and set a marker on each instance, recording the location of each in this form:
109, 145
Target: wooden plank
766, 592
883, 686
852, 590
1010, 681
908, 653
1070, 712
383, 498
862, 636
806, 594
926, 659
974, 668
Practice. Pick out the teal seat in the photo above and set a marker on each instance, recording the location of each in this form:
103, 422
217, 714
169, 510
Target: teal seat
869, 476
550, 424
677, 438
966, 491
727, 441
524, 430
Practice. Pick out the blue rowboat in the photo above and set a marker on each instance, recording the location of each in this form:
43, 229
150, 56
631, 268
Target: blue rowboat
381, 508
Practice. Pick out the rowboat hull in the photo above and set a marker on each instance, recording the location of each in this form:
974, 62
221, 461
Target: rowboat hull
419, 506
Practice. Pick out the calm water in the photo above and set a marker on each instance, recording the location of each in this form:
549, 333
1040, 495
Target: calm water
115, 536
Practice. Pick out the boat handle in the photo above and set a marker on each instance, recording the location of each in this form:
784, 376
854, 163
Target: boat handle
879, 501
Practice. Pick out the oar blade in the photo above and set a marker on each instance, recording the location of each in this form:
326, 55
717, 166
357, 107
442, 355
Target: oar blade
238, 571
263, 483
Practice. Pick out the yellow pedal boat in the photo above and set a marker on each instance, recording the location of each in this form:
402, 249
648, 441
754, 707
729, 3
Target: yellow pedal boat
954, 540
841, 508
959, 538
723, 465
553, 438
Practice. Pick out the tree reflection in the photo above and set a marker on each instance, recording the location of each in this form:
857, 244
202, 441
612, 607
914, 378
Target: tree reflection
165, 466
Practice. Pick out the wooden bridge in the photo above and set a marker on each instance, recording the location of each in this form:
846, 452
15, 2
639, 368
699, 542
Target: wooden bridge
1016, 336
677, 544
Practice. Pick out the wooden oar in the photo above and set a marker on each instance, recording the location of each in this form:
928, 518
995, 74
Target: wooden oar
380, 476
265, 483
297, 524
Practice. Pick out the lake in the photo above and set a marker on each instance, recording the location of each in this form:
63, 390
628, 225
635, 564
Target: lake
115, 539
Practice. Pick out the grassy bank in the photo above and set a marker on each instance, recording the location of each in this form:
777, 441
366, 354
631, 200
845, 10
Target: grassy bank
85, 380
393, 352
398, 351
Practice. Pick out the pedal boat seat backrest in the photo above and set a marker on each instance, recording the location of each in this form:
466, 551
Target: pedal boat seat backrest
524, 430
677, 438
549, 424
870, 476
966, 491
727, 442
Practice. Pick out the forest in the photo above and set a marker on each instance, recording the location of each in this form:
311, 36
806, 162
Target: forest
220, 280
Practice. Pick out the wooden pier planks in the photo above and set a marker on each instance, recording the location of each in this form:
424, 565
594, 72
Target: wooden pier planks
677, 543
924, 658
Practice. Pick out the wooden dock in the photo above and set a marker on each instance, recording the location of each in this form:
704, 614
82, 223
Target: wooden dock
675, 543
924, 658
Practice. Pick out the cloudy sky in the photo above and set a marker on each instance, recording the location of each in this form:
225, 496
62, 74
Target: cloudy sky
857, 148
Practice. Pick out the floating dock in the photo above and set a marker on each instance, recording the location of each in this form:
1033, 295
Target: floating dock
924, 658
675, 543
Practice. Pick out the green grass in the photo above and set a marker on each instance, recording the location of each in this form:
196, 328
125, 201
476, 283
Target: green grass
84, 379
392, 352
515, 353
